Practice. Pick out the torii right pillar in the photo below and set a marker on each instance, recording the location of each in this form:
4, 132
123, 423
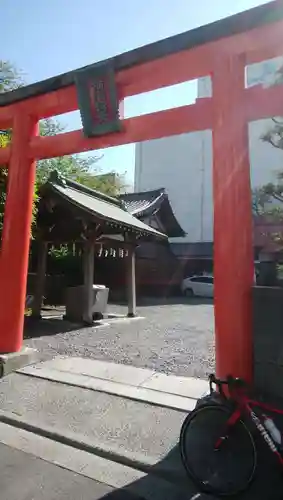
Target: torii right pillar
233, 230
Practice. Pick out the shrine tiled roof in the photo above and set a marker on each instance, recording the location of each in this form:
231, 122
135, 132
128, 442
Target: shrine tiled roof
110, 211
155, 202
143, 203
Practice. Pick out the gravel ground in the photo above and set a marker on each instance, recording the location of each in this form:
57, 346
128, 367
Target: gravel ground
176, 337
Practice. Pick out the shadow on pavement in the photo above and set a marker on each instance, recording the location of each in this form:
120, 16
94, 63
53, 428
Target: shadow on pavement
168, 301
268, 483
167, 480
49, 327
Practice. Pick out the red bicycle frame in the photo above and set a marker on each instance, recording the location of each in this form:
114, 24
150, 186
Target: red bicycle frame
245, 405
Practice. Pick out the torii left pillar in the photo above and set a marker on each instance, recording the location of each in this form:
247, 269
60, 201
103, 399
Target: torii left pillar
16, 233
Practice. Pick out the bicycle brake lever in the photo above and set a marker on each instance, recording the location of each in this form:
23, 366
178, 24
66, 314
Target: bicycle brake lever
211, 379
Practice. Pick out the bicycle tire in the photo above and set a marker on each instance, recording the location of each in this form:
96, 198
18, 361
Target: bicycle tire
243, 435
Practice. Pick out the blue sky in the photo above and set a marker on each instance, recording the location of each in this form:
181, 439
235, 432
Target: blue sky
51, 37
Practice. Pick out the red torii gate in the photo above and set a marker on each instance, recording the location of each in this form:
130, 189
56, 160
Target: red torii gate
221, 50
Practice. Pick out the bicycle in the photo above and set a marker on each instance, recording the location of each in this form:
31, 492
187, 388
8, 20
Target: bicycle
217, 440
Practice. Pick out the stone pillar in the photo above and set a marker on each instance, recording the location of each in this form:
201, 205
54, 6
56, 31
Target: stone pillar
131, 282
40, 279
267, 341
88, 263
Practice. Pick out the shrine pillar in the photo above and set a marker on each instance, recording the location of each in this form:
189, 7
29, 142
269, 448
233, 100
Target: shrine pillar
17, 233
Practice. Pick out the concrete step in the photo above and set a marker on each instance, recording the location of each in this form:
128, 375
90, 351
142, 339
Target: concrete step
131, 432
138, 384
24, 476
121, 429
28, 461
122, 413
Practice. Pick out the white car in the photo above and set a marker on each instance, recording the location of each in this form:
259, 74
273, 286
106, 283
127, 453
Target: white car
199, 286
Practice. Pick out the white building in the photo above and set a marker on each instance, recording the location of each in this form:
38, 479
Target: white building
183, 164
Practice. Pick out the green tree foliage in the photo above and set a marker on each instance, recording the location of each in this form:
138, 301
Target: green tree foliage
274, 137
79, 168
10, 77
260, 201
5, 137
268, 200
270, 196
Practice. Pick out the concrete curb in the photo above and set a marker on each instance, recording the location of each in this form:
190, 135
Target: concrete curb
138, 384
123, 319
140, 394
14, 361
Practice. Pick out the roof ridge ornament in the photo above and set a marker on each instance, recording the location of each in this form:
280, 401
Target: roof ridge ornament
123, 205
56, 178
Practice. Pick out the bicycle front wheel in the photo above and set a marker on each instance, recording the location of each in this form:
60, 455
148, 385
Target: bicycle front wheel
223, 472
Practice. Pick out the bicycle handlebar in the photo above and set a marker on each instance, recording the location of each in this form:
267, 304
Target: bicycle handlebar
217, 381
230, 381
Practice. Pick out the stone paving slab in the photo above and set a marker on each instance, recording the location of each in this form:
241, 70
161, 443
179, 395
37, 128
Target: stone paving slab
94, 368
